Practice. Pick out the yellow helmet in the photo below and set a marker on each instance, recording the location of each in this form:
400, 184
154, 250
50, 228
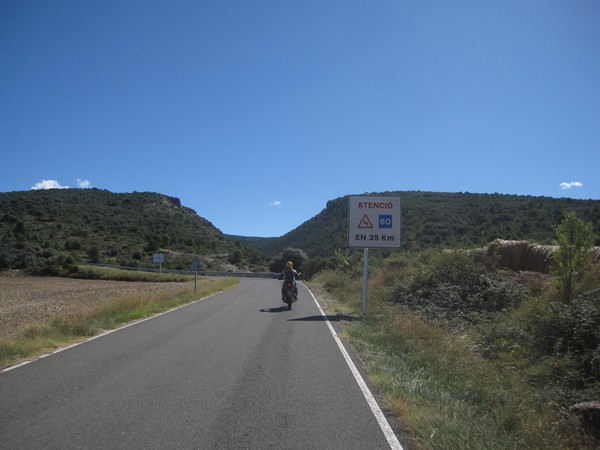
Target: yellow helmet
289, 265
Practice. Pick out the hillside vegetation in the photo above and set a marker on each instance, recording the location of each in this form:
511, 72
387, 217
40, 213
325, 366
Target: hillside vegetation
49, 231
431, 219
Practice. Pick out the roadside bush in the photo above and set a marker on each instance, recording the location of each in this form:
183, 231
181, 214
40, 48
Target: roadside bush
571, 329
314, 266
455, 286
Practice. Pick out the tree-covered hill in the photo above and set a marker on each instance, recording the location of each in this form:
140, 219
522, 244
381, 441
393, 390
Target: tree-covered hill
441, 219
43, 228
46, 228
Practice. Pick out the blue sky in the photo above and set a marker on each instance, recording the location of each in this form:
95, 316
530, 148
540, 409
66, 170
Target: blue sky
255, 114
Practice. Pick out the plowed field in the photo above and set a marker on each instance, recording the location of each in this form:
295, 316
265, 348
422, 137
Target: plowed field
33, 300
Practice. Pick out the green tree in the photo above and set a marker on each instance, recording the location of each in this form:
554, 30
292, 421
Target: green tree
94, 254
575, 239
236, 256
295, 255
20, 228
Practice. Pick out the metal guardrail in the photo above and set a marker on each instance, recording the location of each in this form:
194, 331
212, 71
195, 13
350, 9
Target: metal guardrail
208, 273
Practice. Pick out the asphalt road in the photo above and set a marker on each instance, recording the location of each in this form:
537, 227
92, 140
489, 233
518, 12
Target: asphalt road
236, 370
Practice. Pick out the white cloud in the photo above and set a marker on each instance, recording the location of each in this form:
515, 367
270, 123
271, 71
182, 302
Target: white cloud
83, 183
276, 203
54, 184
48, 184
564, 186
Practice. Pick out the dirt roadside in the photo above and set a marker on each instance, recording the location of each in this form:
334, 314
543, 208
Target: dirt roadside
33, 300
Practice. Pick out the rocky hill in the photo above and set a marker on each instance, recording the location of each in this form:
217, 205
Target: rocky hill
44, 228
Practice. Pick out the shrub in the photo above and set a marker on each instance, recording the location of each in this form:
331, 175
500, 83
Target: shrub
129, 263
59, 265
93, 254
236, 256
455, 285
72, 244
5, 260
575, 240
573, 328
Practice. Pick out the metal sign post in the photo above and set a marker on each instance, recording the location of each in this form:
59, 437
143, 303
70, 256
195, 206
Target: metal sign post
365, 277
373, 222
158, 258
195, 266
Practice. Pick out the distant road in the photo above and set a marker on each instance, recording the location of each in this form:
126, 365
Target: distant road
233, 371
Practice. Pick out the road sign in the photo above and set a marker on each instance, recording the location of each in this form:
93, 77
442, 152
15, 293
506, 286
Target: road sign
374, 222
196, 264
158, 258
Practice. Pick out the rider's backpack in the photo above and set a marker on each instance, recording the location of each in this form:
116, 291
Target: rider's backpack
288, 275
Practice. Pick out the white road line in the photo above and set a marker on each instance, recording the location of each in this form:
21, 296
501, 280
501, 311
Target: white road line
381, 420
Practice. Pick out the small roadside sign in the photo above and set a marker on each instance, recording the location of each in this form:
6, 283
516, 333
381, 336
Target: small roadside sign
196, 265
158, 258
374, 222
